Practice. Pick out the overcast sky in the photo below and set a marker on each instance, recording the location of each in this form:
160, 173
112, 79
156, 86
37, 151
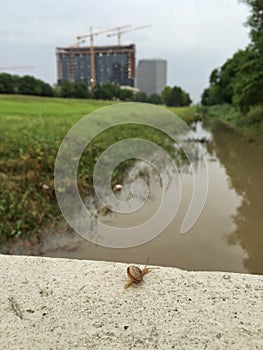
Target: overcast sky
194, 36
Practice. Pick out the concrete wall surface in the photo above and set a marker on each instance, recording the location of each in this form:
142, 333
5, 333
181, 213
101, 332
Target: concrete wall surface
72, 304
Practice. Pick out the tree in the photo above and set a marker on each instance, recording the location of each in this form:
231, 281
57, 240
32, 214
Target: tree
240, 80
205, 98
107, 91
255, 21
221, 82
155, 99
81, 90
7, 83
46, 89
248, 83
26, 85
141, 97
176, 96
67, 89
126, 95
166, 93
214, 77
186, 100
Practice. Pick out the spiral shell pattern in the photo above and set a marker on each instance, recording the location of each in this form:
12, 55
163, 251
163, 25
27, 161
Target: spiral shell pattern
145, 151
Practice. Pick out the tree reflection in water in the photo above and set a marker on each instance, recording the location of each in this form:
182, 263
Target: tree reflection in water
244, 166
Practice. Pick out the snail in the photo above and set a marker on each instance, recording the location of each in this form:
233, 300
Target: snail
136, 274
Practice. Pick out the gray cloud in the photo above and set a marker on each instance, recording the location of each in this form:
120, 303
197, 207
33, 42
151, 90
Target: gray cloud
194, 36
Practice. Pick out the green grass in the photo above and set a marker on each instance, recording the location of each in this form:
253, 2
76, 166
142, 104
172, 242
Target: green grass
249, 125
186, 113
31, 131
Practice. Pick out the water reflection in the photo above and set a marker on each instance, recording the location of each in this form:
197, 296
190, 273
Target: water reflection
243, 163
229, 233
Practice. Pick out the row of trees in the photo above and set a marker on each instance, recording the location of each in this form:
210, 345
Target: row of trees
240, 80
105, 91
29, 85
175, 96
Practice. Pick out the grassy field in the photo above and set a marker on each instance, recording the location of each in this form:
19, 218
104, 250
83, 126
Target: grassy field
31, 131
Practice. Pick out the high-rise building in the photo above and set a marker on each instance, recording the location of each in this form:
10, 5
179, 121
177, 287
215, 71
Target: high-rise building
151, 76
113, 64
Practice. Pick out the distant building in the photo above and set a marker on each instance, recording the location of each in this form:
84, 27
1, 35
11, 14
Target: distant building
113, 64
151, 76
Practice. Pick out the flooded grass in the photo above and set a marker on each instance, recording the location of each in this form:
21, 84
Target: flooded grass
31, 131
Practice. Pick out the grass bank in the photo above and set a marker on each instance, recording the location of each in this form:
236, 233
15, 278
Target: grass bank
31, 131
249, 125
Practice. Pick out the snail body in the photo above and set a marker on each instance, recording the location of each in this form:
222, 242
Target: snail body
135, 274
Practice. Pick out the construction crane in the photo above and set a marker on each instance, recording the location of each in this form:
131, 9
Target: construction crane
77, 44
15, 67
119, 33
92, 55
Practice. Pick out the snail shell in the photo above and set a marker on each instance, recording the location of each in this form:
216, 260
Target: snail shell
135, 273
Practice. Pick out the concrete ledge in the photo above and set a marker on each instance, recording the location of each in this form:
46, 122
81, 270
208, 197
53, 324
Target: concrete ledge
72, 304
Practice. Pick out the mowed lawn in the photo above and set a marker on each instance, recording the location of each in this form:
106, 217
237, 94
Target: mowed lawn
31, 131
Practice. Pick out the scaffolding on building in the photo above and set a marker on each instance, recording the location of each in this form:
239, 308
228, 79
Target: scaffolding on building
69, 62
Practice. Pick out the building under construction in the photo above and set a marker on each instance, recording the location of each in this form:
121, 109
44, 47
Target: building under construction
112, 64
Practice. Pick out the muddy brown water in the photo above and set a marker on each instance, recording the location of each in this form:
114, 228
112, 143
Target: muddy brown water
229, 233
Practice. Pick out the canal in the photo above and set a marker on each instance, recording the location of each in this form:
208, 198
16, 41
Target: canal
228, 235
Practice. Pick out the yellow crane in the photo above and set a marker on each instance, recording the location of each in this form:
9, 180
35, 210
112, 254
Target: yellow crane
92, 55
119, 33
15, 67
77, 44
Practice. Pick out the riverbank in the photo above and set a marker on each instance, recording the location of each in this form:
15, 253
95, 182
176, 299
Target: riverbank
249, 125
64, 304
32, 129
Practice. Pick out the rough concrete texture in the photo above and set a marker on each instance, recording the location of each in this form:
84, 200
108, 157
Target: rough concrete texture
72, 304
